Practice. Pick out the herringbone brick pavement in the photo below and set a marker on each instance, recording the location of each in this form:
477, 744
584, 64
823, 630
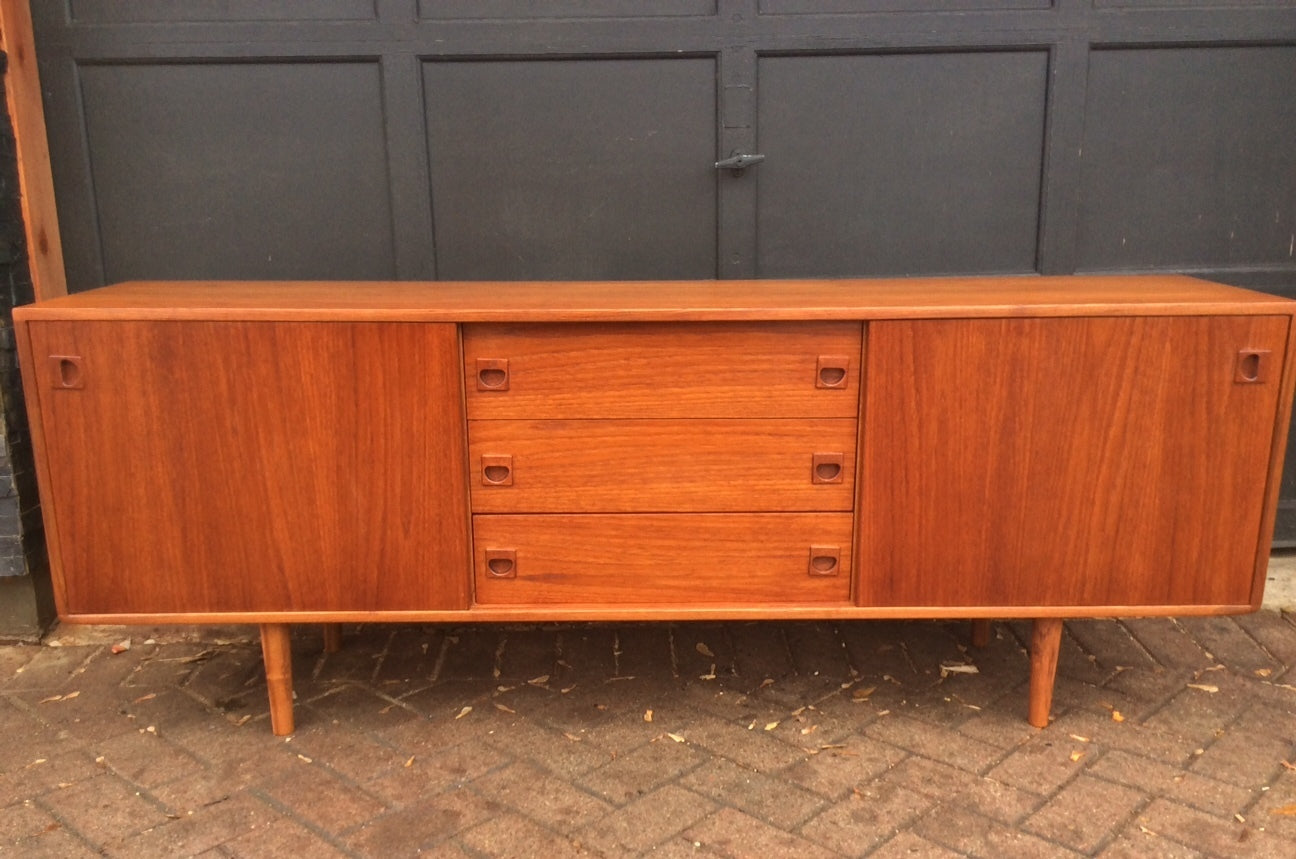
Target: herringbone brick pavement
1171, 738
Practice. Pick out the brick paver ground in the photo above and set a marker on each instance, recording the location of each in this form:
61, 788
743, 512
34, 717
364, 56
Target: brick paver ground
1171, 738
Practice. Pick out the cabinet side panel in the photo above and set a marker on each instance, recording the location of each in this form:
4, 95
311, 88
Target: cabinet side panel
1083, 462
49, 516
235, 466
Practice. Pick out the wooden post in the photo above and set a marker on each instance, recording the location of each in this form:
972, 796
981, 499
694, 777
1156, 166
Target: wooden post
981, 632
332, 637
277, 653
35, 179
1046, 638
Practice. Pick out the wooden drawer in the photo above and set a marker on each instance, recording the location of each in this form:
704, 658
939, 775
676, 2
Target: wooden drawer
624, 466
663, 559
693, 370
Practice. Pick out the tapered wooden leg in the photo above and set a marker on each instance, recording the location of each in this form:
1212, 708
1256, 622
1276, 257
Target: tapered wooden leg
981, 632
1046, 638
277, 653
332, 637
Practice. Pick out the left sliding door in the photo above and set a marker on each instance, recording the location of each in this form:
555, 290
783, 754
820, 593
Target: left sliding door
231, 466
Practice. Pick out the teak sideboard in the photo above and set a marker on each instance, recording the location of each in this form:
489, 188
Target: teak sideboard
287, 452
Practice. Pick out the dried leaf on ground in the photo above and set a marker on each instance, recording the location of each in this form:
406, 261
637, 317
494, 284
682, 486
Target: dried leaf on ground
676, 737
647, 715
948, 668
1205, 687
539, 681
409, 763
863, 693
464, 712
766, 683
51, 699
505, 708
1117, 716
769, 726
705, 651
1076, 756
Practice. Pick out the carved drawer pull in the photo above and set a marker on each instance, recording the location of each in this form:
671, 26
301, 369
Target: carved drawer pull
832, 371
827, 468
492, 374
1252, 367
501, 563
824, 560
497, 470
68, 374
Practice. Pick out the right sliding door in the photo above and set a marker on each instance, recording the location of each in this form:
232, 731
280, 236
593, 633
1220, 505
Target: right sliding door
1066, 462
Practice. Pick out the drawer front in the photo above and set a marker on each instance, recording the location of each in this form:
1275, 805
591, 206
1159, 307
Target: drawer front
655, 370
663, 559
662, 466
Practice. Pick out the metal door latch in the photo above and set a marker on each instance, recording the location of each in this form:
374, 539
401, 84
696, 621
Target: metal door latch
739, 161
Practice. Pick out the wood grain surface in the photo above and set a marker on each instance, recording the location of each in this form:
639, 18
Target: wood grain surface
702, 466
692, 370
1065, 462
35, 177
663, 301
748, 558
252, 466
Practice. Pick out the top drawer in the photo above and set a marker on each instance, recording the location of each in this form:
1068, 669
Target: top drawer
661, 370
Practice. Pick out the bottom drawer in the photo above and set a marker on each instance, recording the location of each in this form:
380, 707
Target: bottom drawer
662, 559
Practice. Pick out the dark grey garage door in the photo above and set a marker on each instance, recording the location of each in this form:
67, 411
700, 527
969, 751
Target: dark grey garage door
495, 139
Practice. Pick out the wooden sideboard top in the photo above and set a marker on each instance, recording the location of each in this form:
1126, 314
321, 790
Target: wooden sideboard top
654, 301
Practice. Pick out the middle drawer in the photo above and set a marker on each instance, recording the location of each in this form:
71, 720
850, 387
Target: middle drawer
695, 466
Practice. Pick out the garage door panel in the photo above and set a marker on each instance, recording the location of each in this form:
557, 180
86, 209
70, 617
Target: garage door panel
189, 11
239, 170
580, 169
531, 9
1188, 158
891, 164
827, 7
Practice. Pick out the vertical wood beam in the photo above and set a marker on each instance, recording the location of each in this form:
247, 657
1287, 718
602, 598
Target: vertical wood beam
36, 182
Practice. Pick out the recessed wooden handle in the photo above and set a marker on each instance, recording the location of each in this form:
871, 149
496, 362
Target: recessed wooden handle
501, 563
1252, 367
824, 560
496, 470
492, 374
67, 372
827, 468
832, 371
